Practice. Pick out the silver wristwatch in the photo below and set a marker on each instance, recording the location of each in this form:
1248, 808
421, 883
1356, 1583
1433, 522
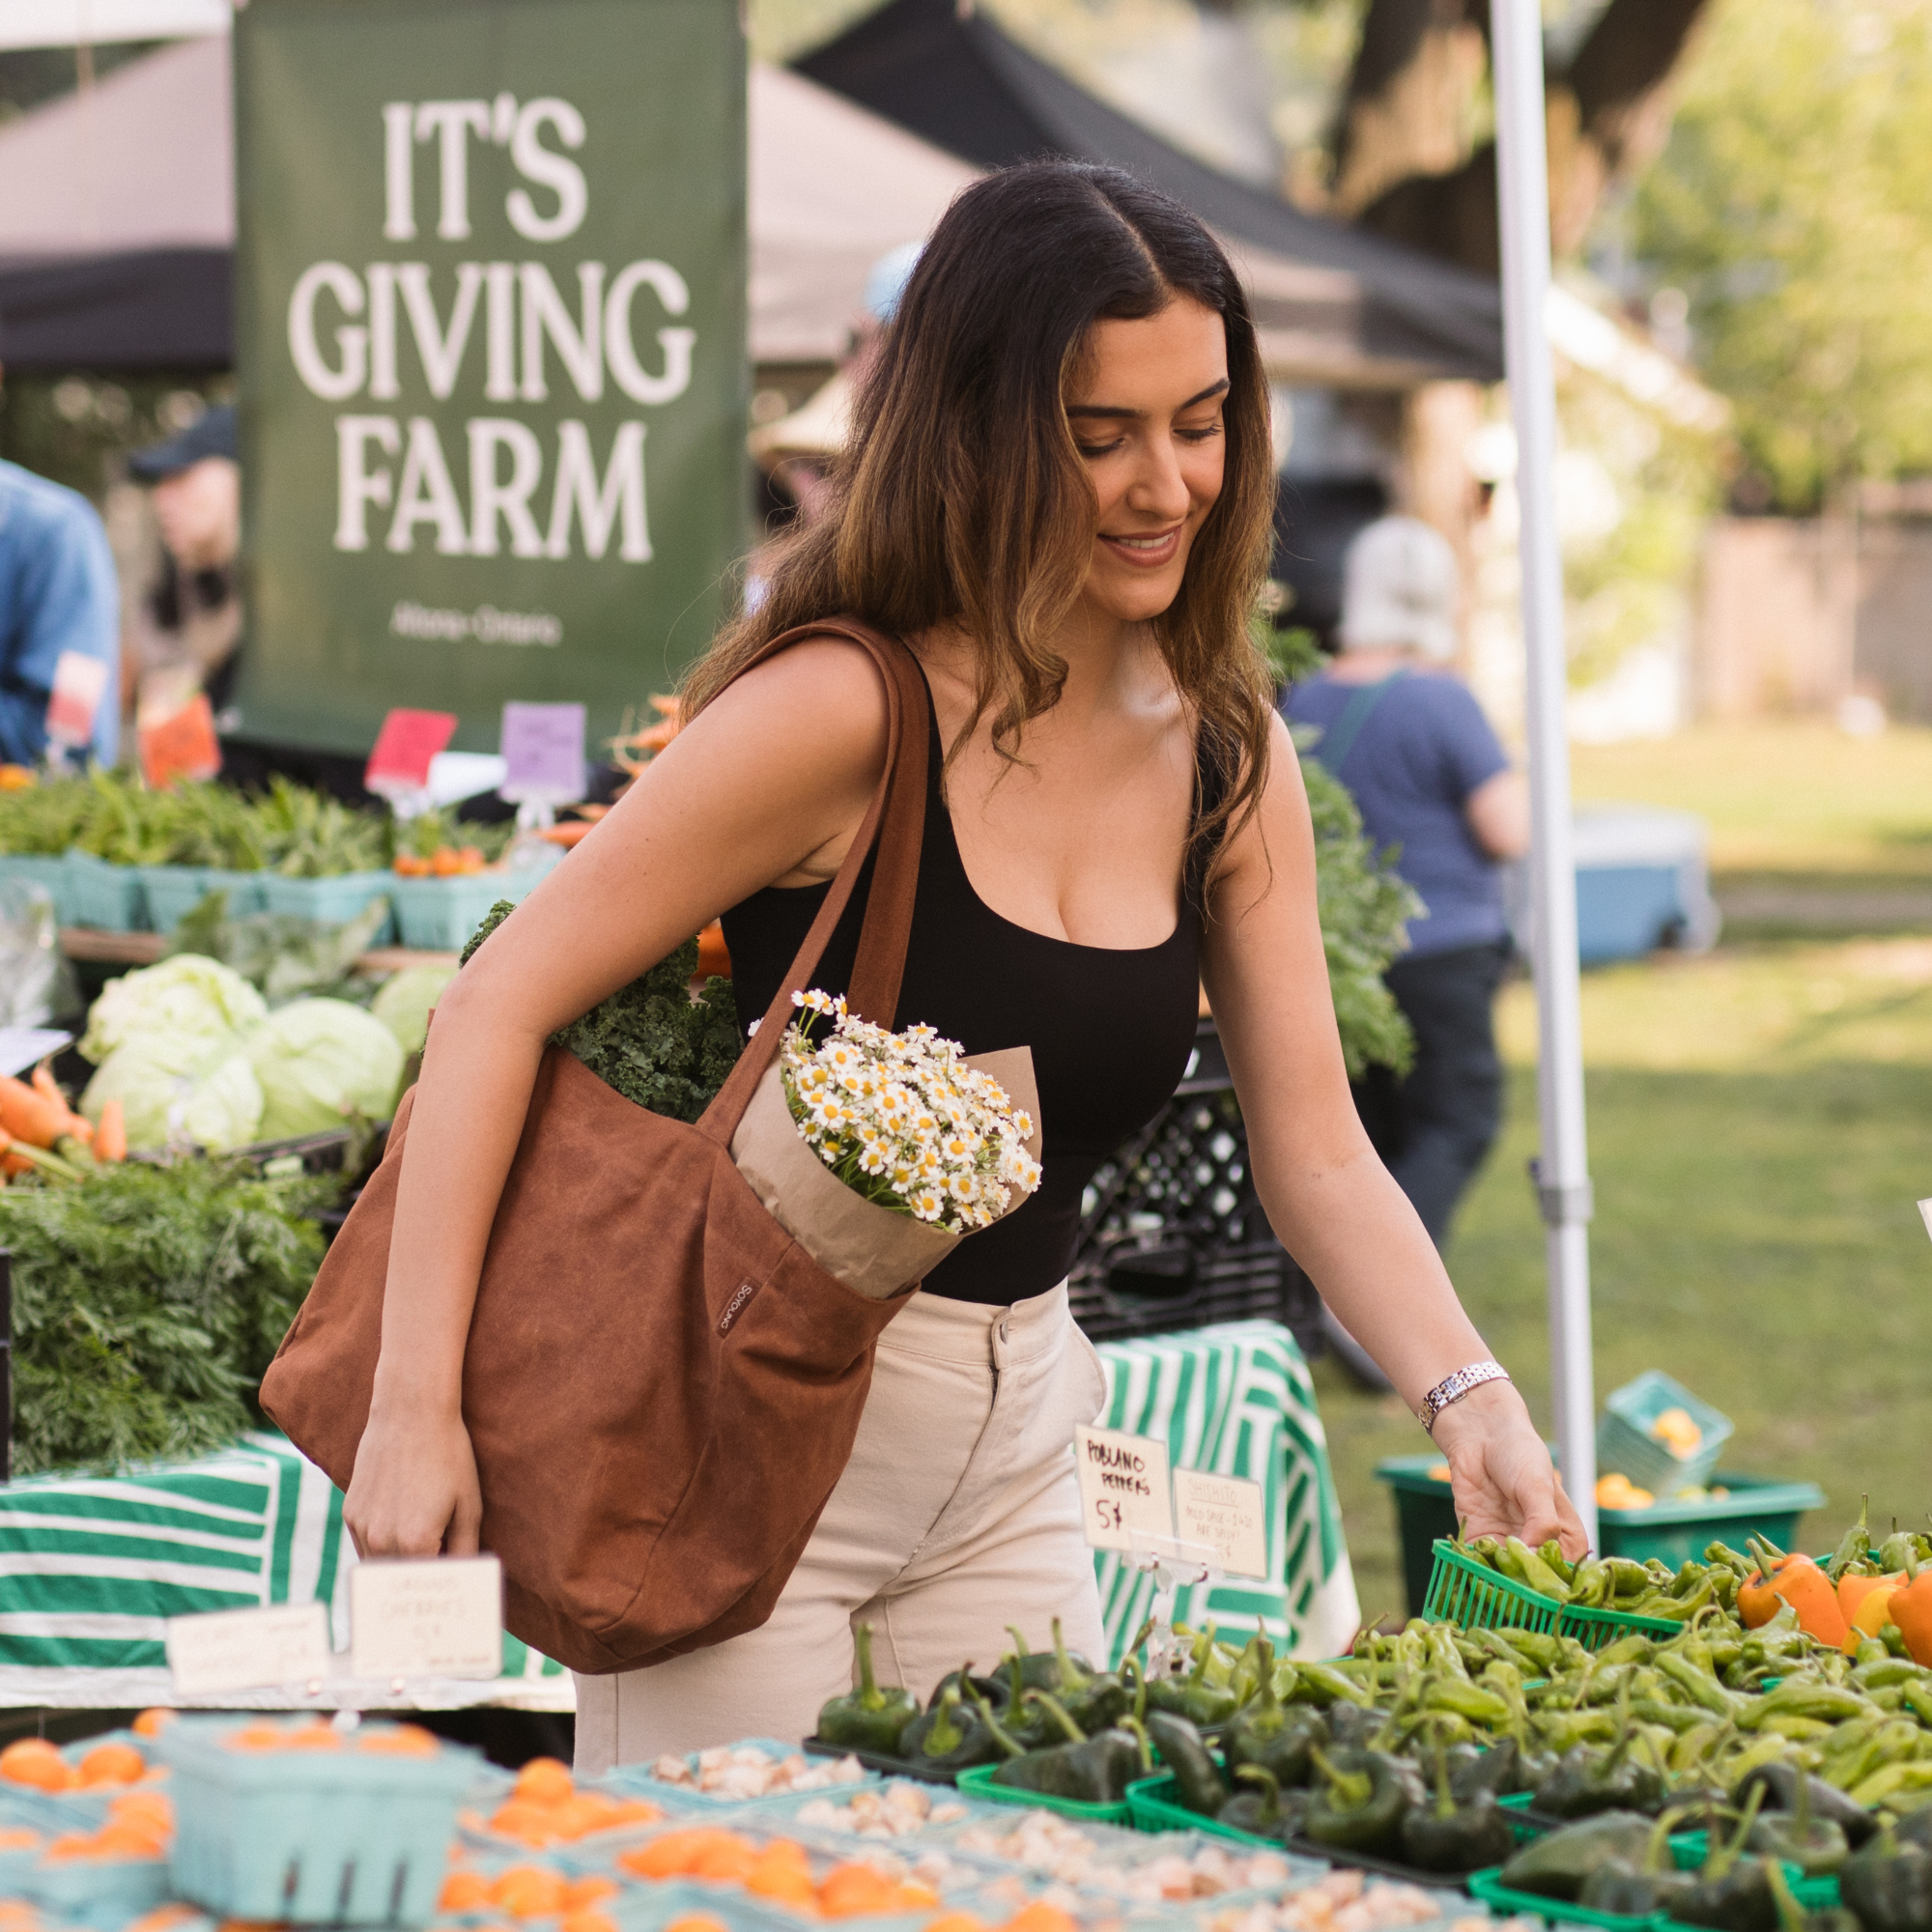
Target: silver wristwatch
1453, 1388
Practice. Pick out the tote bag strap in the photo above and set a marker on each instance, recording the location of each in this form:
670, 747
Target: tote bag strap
895, 822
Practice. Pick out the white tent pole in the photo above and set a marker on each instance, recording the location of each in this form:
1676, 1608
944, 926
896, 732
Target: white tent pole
1563, 1175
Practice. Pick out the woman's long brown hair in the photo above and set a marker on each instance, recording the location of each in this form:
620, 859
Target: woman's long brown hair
963, 497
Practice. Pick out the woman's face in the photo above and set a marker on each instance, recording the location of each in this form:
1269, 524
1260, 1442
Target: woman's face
1146, 414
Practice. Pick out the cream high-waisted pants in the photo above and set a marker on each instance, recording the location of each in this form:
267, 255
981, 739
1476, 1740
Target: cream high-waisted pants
959, 1514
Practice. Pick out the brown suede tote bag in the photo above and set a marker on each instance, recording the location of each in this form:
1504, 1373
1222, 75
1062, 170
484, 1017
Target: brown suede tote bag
661, 1385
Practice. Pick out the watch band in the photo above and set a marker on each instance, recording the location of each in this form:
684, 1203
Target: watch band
1454, 1387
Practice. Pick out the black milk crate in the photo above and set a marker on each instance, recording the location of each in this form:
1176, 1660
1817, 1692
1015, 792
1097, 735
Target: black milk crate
1171, 1235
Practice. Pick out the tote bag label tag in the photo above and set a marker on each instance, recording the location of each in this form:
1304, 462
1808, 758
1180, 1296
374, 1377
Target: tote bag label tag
1123, 1487
248, 1650
1226, 1513
439, 1616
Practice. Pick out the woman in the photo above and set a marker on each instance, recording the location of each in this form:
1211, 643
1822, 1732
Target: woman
1059, 494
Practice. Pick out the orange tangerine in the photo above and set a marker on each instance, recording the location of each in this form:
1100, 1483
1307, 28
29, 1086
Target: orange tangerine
258, 1735
672, 1856
545, 1780
527, 1824
1038, 1917
399, 1741
528, 1891
694, 1922
21, 1839
851, 1889
730, 1859
781, 1872
462, 1891
588, 1921
957, 1921
35, 1762
154, 1804
112, 1764
312, 1737
151, 1722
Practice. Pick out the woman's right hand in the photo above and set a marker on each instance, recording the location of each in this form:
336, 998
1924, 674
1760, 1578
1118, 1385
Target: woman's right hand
415, 1491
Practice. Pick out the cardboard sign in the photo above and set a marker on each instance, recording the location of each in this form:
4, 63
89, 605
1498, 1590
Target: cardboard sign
81, 682
403, 748
248, 1650
543, 748
441, 1616
1227, 1513
1123, 1487
182, 744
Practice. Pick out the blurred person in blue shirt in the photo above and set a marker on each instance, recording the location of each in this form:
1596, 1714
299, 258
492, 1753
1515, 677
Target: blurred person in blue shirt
58, 592
1409, 741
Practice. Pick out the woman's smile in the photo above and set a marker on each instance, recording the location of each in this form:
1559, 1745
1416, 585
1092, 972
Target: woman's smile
1147, 550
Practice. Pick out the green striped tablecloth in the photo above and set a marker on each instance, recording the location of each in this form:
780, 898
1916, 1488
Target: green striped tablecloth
92, 1565
1237, 1400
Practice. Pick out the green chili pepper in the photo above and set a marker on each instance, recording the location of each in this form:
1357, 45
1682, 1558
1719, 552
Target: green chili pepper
873, 1716
1197, 1778
1359, 1804
1635, 1648
1551, 1552
1591, 1585
1629, 1578
1529, 1567
1324, 1684
1799, 1698
1559, 1864
1696, 1685
1487, 1708
1450, 1836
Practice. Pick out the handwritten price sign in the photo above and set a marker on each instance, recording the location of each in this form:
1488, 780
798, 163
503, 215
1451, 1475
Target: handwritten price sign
1123, 1487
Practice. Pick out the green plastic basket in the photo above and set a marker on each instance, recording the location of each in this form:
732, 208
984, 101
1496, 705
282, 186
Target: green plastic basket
1462, 1591
1487, 1887
1153, 1808
979, 1784
1624, 1441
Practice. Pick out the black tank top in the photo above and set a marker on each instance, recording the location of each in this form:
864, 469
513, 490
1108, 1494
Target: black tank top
1110, 1029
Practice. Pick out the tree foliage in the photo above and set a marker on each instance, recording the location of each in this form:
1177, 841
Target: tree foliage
1791, 208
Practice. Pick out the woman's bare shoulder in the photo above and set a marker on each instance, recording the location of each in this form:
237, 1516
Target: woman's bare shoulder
824, 690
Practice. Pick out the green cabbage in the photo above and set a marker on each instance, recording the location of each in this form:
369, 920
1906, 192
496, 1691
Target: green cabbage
179, 1088
183, 997
318, 1061
404, 1004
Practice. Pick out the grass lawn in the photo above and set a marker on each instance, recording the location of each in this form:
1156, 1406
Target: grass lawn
1757, 1123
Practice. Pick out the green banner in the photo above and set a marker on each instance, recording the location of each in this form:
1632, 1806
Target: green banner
490, 290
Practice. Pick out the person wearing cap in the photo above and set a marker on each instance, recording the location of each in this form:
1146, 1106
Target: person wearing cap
1408, 738
191, 618
58, 593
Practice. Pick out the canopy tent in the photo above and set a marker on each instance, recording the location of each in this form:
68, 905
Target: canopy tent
946, 72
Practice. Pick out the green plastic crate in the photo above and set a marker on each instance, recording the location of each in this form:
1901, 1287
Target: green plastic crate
1462, 1591
1624, 1441
1757, 1506
979, 1784
1687, 1853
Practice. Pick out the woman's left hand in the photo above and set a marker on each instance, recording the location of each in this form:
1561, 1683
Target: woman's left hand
1500, 1470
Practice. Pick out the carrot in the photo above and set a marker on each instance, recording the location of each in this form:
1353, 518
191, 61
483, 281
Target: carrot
568, 832
110, 1138
30, 1117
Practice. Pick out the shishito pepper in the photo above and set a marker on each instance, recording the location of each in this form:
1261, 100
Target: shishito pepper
1854, 1546
1887, 1883
1559, 1864
1197, 1778
872, 1717
1449, 1834
1361, 1800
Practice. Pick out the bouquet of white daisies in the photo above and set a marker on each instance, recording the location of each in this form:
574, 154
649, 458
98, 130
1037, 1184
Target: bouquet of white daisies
880, 1150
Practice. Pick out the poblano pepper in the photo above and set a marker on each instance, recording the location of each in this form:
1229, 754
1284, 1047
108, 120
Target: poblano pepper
1586, 1781
1809, 1834
1263, 1810
1093, 1771
1887, 1883
1197, 1778
1361, 1800
950, 1736
1635, 1892
1558, 1865
1732, 1893
1193, 1696
1277, 1740
1093, 1698
1038, 1670
873, 1716
1446, 1835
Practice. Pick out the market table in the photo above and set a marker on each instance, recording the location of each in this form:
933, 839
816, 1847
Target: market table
91, 1566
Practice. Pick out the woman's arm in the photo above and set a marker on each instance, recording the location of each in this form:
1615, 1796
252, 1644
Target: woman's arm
1329, 1197
766, 785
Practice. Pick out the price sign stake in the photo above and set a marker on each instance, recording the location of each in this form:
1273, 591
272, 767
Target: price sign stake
1123, 1487
81, 682
405, 743
543, 748
182, 744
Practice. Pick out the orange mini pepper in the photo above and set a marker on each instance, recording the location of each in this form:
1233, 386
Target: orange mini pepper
1793, 1579
1865, 1602
1911, 1609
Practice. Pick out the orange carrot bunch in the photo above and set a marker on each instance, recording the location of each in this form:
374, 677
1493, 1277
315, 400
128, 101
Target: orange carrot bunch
447, 861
